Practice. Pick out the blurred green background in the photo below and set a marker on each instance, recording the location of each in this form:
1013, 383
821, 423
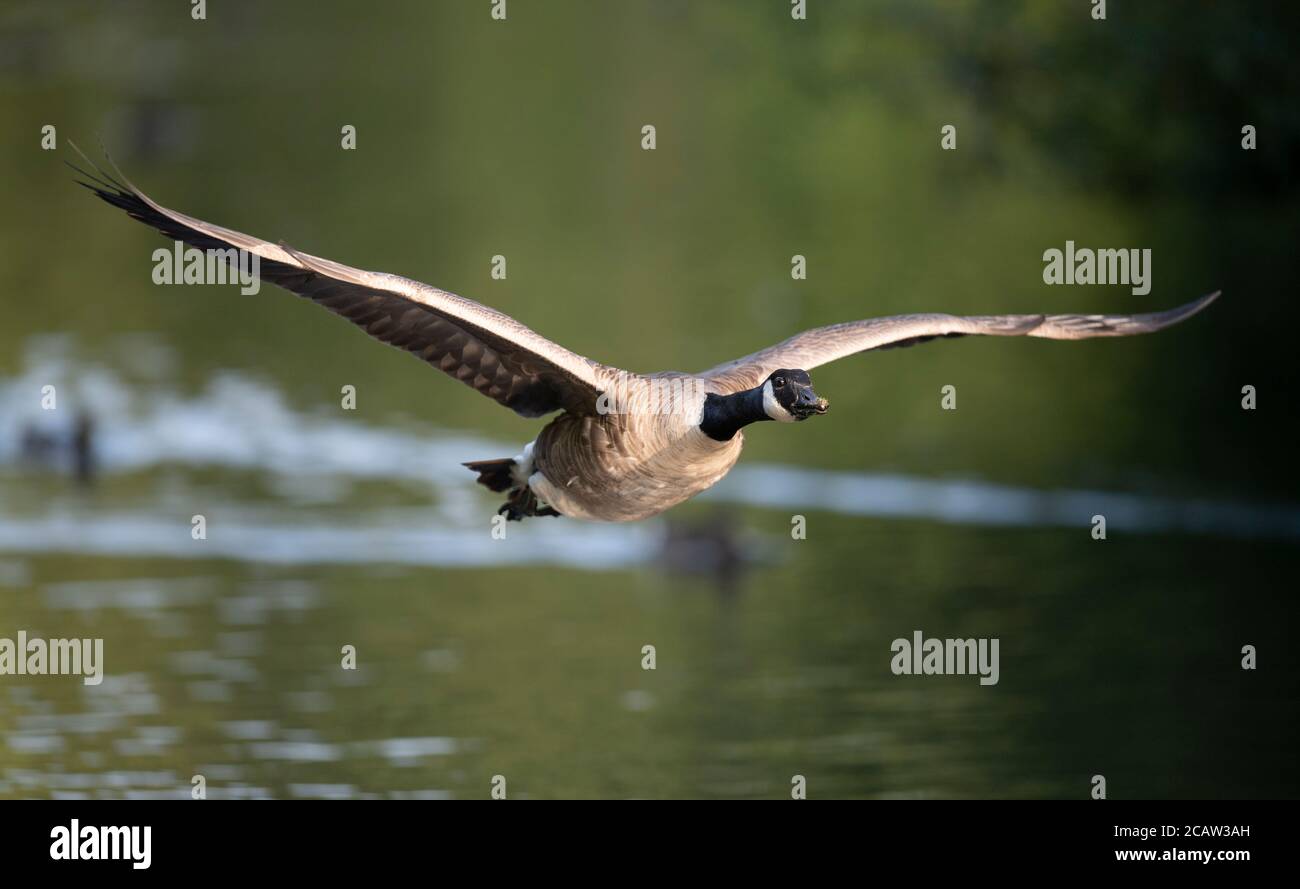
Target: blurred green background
775, 137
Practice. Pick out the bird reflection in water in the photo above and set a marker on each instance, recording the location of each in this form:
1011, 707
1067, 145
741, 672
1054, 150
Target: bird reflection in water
713, 547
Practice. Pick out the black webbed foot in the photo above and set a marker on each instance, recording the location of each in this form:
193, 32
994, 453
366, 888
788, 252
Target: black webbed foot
523, 503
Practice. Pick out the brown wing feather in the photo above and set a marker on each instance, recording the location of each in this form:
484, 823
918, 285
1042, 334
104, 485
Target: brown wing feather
485, 349
819, 346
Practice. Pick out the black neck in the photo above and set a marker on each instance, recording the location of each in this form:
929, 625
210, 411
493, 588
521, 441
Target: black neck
725, 415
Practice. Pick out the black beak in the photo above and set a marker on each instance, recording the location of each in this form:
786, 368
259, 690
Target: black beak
808, 403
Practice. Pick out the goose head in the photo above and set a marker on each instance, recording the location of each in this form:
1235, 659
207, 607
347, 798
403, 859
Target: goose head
788, 396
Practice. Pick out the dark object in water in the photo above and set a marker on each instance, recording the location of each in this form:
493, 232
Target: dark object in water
55, 450
712, 548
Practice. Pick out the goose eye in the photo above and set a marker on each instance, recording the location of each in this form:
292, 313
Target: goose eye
778, 383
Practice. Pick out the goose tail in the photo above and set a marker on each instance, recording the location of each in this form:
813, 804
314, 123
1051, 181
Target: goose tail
495, 475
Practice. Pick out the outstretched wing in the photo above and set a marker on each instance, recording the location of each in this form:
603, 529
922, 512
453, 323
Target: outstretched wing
488, 351
823, 345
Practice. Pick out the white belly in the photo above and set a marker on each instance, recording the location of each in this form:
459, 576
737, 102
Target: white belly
625, 490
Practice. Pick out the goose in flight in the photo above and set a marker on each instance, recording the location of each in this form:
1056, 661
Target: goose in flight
624, 446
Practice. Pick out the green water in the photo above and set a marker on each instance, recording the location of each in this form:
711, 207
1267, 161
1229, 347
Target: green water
774, 138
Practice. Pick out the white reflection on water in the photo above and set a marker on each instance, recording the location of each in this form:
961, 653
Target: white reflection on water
981, 503
297, 751
421, 538
407, 751
241, 424
146, 595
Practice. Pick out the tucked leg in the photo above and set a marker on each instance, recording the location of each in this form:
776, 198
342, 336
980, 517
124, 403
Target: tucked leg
523, 502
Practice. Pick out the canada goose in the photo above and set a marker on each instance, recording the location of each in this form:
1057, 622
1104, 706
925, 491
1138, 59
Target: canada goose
625, 446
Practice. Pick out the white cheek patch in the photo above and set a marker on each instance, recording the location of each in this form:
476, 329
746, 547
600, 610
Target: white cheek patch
772, 407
